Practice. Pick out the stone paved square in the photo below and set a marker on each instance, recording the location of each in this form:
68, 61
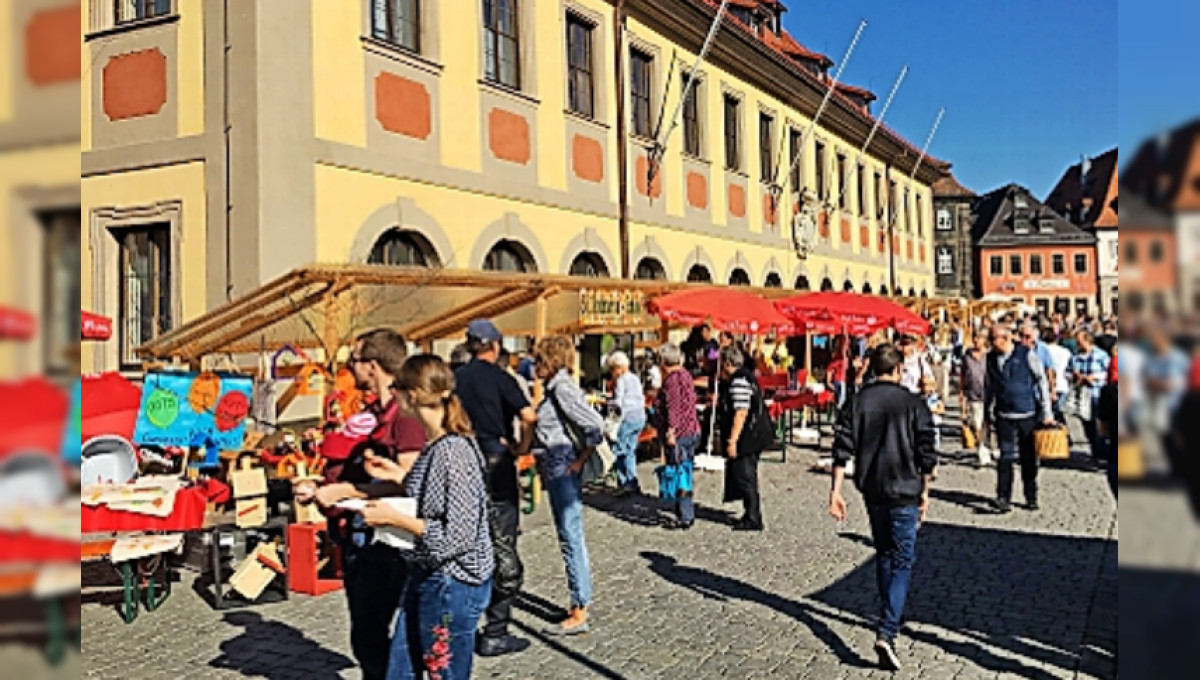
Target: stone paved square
993, 596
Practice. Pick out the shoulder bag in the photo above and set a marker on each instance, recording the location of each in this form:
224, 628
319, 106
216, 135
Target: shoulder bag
601, 460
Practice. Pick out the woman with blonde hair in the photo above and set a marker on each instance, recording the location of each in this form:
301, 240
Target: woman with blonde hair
568, 432
451, 562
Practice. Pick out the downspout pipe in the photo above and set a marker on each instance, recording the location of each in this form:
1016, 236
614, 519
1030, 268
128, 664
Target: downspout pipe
622, 137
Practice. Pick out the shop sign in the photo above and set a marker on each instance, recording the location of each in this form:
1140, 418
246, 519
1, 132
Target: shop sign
611, 307
1047, 284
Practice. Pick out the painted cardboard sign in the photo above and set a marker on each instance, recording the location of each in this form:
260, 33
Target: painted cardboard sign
191, 409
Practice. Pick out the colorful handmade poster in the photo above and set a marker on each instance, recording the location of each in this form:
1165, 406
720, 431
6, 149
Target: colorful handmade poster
190, 409
72, 447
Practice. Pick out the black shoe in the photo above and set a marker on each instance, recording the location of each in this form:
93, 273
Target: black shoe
1033, 506
747, 526
500, 646
886, 650
1001, 506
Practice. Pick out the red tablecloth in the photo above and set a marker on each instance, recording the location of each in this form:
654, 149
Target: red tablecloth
794, 401
23, 547
188, 515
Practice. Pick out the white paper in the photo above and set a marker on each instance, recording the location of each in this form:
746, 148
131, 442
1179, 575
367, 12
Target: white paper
352, 505
391, 536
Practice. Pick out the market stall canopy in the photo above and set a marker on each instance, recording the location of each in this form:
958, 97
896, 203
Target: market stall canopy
32, 415
725, 309
16, 324
857, 314
94, 326
109, 406
327, 306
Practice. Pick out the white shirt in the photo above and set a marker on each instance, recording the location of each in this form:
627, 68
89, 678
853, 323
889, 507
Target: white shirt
1061, 357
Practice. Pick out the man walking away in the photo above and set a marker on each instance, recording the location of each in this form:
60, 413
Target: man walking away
494, 402
745, 433
1060, 358
1017, 391
889, 433
974, 377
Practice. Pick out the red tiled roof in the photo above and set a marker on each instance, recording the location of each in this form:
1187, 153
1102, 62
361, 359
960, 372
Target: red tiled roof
1091, 200
949, 187
857, 91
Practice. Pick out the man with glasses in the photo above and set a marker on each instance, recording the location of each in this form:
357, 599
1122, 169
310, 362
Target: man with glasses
1017, 393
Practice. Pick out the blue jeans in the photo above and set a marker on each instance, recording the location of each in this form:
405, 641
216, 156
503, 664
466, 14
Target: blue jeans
894, 531
430, 601
625, 450
566, 504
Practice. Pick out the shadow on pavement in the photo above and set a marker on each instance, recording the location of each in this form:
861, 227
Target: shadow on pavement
971, 501
276, 651
1159, 613
647, 511
598, 669
715, 586
1025, 594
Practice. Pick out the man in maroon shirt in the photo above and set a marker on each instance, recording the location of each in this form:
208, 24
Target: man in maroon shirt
374, 573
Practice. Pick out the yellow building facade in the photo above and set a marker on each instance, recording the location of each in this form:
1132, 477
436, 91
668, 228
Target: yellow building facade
222, 151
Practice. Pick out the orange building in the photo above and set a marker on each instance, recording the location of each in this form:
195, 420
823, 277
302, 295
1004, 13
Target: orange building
1149, 251
1031, 254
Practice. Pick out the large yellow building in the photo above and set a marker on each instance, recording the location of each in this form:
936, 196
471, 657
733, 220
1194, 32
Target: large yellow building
222, 150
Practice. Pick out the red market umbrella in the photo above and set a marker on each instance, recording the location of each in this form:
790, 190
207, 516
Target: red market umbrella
857, 314
94, 326
109, 406
32, 416
727, 310
16, 324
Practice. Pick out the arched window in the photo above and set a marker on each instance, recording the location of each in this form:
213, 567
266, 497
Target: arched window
589, 265
826, 286
509, 256
403, 249
883, 290
650, 269
867, 289
848, 286
912, 292
739, 277
924, 294
773, 281
802, 283
699, 274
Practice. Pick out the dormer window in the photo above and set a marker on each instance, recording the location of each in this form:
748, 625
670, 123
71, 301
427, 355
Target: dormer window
1021, 224
1046, 224
1020, 201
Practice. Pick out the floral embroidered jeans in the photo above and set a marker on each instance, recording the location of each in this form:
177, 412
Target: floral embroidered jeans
435, 630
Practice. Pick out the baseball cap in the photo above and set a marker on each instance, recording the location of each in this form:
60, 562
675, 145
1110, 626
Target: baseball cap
484, 331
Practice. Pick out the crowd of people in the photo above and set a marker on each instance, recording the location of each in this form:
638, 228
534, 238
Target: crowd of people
450, 435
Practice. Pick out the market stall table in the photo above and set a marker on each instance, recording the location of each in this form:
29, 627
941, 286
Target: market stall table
785, 403
25, 558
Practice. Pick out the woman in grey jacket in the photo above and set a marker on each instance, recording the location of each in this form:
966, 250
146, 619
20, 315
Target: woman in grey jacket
568, 431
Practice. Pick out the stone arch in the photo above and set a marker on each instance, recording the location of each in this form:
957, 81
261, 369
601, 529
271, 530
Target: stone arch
649, 248
590, 242
698, 257
739, 261
509, 228
404, 215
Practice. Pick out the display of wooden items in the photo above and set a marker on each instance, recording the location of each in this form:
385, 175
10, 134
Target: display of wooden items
250, 494
257, 571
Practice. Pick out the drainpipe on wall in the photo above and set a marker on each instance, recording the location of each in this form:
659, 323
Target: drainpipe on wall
225, 130
622, 137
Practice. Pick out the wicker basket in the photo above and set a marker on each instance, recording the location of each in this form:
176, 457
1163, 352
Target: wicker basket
1052, 443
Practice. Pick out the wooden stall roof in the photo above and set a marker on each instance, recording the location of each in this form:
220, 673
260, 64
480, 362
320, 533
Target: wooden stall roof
327, 306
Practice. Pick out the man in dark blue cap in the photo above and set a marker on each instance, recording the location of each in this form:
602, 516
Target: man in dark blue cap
494, 401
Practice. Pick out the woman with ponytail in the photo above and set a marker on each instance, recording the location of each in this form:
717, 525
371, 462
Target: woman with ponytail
451, 563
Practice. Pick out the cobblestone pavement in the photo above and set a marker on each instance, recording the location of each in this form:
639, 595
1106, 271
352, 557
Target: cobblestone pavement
1027, 595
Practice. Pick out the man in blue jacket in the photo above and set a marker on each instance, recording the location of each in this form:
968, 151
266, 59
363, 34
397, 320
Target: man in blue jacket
889, 433
1016, 394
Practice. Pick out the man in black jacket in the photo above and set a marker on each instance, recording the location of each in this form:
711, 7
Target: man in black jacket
889, 433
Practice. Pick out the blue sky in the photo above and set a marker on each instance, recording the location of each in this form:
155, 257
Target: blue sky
1028, 85
1160, 82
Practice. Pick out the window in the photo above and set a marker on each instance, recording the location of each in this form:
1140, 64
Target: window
1058, 265
920, 216
135, 10
397, 22
641, 65
795, 138
502, 44
1157, 252
60, 288
589, 265
733, 150
766, 132
1016, 265
904, 214
843, 180
1035, 265
822, 190
773, 281
944, 221
880, 197
1020, 224
650, 269
862, 191
691, 119
145, 289
1081, 264
509, 256
699, 274
580, 78
742, 14
402, 249
893, 200
1131, 253
739, 277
